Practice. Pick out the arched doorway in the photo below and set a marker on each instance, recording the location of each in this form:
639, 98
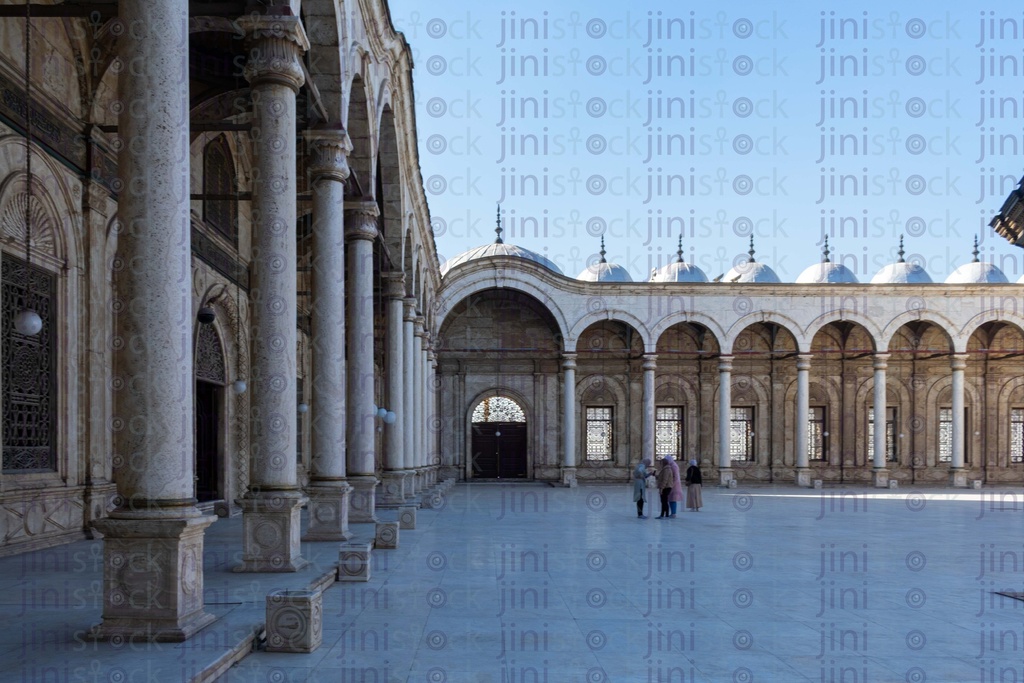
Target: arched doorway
210, 381
499, 439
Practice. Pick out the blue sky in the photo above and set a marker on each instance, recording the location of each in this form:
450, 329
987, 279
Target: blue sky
788, 122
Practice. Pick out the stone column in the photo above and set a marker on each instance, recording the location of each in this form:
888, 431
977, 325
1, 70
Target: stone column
647, 423
424, 419
271, 506
957, 473
803, 397
880, 475
153, 541
393, 479
328, 488
430, 433
417, 379
409, 398
360, 233
569, 419
725, 473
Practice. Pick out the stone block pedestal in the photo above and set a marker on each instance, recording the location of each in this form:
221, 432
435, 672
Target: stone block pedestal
392, 489
803, 478
363, 499
386, 537
958, 478
152, 579
880, 478
354, 561
407, 517
328, 513
432, 500
294, 621
270, 532
569, 477
725, 477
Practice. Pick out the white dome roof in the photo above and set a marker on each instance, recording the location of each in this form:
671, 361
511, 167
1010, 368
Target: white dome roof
826, 271
901, 273
679, 271
604, 272
976, 272
751, 271
498, 249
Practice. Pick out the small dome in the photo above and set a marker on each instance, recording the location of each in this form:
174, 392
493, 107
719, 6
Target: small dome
679, 270
976, 272
751, 271
901, 272
826, 271
498, 248
604, 272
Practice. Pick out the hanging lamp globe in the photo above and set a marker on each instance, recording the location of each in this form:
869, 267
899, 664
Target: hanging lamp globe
206, 315
239, 386
28, 322
390, 417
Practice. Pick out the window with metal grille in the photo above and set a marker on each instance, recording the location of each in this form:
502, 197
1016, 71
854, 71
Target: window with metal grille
498, 409
668, 432
599, 433
29, 370
945, 434
1017, 435
890, 434
741, 433
219, 206
816, 433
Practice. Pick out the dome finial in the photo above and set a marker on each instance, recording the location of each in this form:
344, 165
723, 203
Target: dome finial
679, 251
975, 252
751, 250
603, 252
498, 228
901, 252
825, 251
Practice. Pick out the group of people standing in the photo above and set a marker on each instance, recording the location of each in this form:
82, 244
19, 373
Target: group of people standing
670, 486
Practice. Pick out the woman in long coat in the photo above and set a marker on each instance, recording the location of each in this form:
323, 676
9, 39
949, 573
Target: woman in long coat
694, 483
664, 483
676, 495
640, 486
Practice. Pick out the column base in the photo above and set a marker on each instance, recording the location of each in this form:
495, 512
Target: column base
726, 477
270, 532
803, 477
393, 489
362, 501
328, 512
99, 502
880, 478
152, 579
958, 477
569, 477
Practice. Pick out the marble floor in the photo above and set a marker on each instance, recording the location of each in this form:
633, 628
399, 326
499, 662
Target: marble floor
529, 583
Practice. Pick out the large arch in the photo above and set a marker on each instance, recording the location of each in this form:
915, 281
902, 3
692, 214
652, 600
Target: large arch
610, 315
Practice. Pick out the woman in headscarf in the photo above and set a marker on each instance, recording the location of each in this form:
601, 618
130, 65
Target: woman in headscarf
693, 487
664, 483
676, 493
640, 486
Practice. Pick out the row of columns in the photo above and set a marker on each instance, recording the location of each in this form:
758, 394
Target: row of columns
156, 522
803, 366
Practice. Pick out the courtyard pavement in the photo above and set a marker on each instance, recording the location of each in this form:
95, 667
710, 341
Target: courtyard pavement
511, 583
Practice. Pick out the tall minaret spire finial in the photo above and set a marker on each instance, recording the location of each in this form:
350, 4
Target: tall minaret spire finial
901, 252
498, 228
603, 252
825, 251
975, 252
751, 250
679, 251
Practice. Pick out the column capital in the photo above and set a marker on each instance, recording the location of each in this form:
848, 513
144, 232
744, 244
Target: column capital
328, 154
568, 361
725, 363
650, 362
361, 220
395, 288
880, 361
417, 322
410, 308
276, 45
958, 361
803, 361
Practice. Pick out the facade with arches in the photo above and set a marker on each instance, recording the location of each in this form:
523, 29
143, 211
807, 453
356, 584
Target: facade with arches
759, 381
